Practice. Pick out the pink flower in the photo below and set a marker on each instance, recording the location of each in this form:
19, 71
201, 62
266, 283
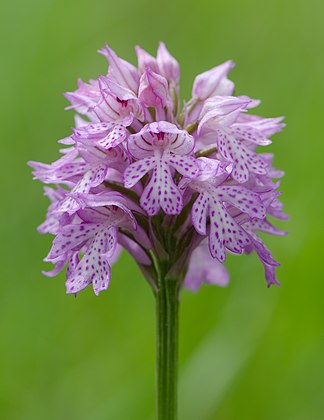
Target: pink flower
160, 147
178, 186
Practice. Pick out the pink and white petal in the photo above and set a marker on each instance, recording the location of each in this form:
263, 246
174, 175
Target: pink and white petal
92, 131
265, 226
168, 65
153, 90
92, 178
181, 143
50, 225
150, 199
116, 207
99, 276
69, 155
145, 60
117, 159
250, 134
243, 199
96, 215
170, 197
268, 126
59, 265
72, 264
121, 71
116, 255
203, 268
199, 213
91, 154
70, 205
216, 233
211, 82
137, 170
93, 268
208, 168
185, 165
244, 161
123, 93
263, 252
107, 241
161, 192
270, 275
72, 237
140, 145
236, 239
113, 214
70, 170
221, 110
225, 230
116, 136
256, 163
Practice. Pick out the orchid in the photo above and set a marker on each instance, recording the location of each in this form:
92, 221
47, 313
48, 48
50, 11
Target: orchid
178, 189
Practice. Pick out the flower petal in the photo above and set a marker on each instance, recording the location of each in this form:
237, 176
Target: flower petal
94, 266
199, 213
121, 71
168, 65
161, 192
137, 170
243, 199
72, 237
221, 110
203, 268
145, 60
153, 90
250, 134
244, 160
116, 136
185, 165
213, 82
224, 231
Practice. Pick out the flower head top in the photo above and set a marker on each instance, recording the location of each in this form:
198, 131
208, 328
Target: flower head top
178, 187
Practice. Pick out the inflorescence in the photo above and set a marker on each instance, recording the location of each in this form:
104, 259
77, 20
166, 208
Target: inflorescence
178, 186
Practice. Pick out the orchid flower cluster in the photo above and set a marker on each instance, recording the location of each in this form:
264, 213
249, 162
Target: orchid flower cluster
179, 186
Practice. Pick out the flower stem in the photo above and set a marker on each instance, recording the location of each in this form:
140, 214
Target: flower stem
167, 307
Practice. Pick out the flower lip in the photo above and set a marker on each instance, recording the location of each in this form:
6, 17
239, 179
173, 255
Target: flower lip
160, 135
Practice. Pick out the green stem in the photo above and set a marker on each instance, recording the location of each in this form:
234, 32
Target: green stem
167, 307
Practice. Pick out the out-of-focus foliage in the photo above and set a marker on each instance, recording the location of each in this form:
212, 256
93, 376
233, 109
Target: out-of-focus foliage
246, 352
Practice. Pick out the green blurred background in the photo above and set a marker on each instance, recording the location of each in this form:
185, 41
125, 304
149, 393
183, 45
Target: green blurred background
246, 352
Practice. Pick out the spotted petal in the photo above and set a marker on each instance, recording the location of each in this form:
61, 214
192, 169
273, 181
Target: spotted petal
249, 134
244, 160
185, 165
72, 237
161, 192
116, 136
224, 231
199, 213
244, 199
92, 178
137, 170
94, 266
